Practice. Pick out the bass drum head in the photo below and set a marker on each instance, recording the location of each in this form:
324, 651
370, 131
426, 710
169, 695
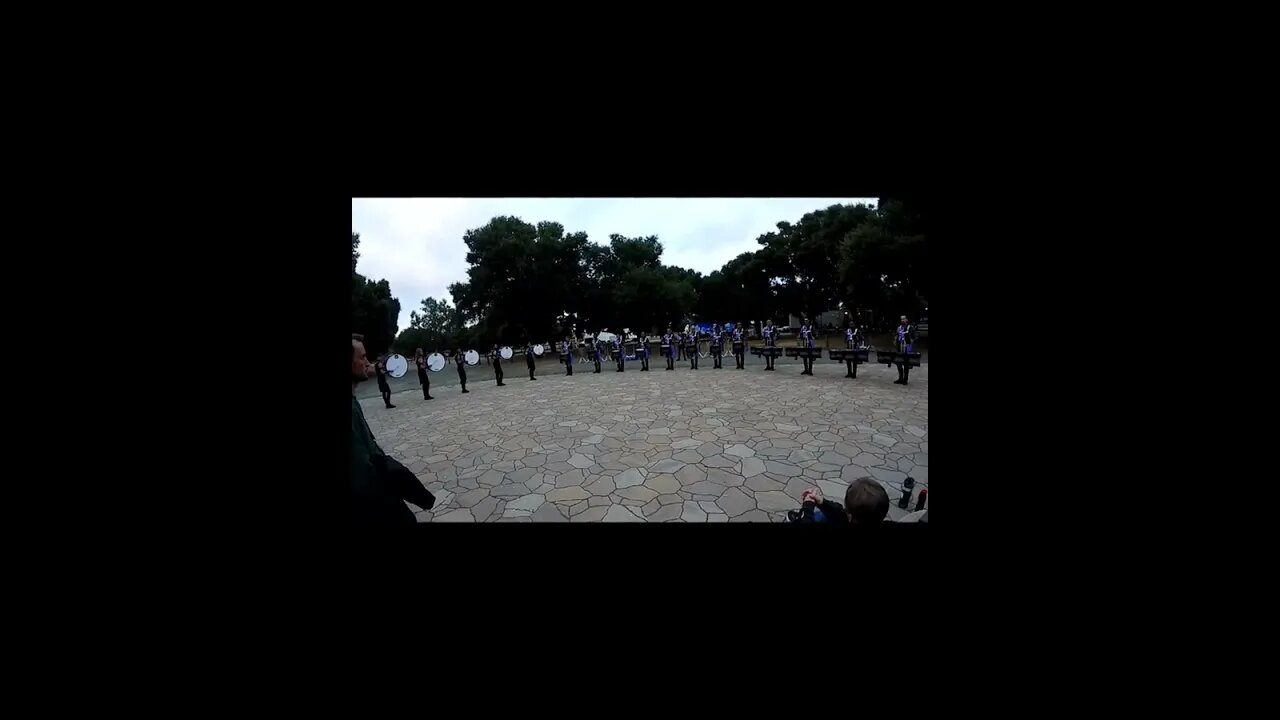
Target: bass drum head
435, 362
538, 349
471, 356
505, 352
397, 366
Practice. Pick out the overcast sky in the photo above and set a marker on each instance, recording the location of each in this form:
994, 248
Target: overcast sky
416, 244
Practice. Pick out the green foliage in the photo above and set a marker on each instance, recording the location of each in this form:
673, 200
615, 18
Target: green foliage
374, 312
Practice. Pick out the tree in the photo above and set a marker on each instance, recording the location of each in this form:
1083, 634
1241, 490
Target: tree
884, 264
374, 312
431, 329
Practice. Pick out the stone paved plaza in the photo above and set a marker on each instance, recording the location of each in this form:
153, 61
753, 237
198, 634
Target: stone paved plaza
681, 446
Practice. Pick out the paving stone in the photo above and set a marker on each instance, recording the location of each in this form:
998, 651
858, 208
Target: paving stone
752, 467
594, 513
888, 476
717, 517
751, 516
570, 479
833, 490
650, 507
467, 499
603, 486
581, 461
720, 461
629, 478
568, 495
594, 501
687, 456
724, 477
580, 507
618, 513
669, 499
548, 513
781, 468
690, 474
663, 483
666, 466
459, 515
705, 487
666, 512
491, 478
684, 443
521, 475
483, 509
734, 502
510, 490
693, 513
639, 492
740, 451
762, 483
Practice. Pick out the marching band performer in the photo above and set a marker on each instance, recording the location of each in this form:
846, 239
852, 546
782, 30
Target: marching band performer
806, 341
691, 347
595, 351
380, 367
850, 342
617, 350
679, 341
528, 359
642, 352
497, 365
566, 351
905, 335
669, 341
420, 360
739, 346
462, 369
769, 332
717, 345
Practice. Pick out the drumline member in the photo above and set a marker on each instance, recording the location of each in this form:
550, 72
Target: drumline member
642, 352
497, 365
595, 352
714, 345
692, 344
420, 360
768, 333
850, 333
380, 367
617, 350
669, 340
739, 347
806, 341
462, 368
905, 334
528, 359
567, 354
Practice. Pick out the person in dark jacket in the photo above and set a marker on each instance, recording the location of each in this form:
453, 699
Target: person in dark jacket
380, 368
380, 485
865, 503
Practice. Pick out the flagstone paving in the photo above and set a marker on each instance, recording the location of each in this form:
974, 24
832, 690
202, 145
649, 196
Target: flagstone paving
687, 445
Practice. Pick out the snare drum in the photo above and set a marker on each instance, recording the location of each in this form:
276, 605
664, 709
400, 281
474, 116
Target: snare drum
435, 362
505, 352
471, 357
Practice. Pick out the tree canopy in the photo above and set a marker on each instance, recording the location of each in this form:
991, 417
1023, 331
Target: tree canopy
374, 312
530, 283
